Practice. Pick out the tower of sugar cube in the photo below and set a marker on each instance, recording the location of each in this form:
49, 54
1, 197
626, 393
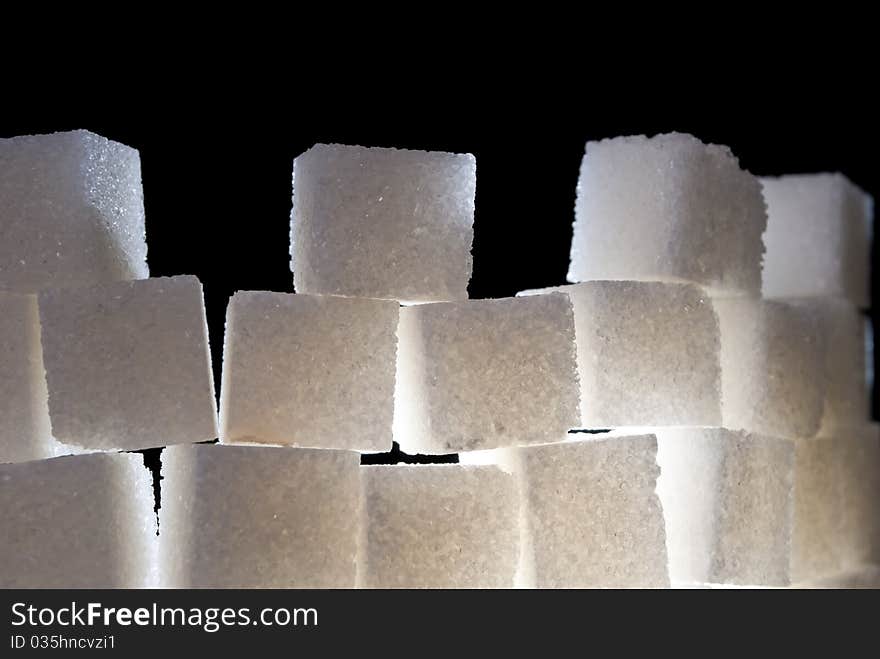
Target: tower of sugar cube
817, 269
341, 366
680, 331
95, 357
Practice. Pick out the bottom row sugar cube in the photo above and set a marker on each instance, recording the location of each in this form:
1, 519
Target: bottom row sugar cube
82, 521
246, 517
590, 514
836, 527
683, 507
727, 501
439, 526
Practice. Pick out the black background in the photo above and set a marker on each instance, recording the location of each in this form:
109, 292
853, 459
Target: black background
217, 182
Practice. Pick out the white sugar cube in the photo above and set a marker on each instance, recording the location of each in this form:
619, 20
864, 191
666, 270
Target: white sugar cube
84, 521
843, 333
727, 499
591, 516
382, 223
309, 371
71, 212
860, 508
837, 505
258, 517
648, 354
481, 374
818, 238
667, 208
439, 526
127, 364
816, 543
24, 416
772, 367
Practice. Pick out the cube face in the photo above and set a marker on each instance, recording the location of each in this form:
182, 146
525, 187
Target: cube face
860, 522
648, 354
593, 517
837, 529
24, 416
667, 208
77, 522
309, 371
818, 238
485, 373
382, 223
772, 367
71, 212
139, 373
439, 526
816, 550
727, 499
843, 334
289, 517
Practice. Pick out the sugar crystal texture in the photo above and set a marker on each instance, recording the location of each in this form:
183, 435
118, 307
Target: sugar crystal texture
648, 354
481, 374
860, 509
772, 367
71, 212
864, 577
818, 238
84, 521
837, 501
592, 516
816, 550
127, 364
258, 517
382, 223
309, 370
667, 208
24, 415
843, 333
439, 526
727, 499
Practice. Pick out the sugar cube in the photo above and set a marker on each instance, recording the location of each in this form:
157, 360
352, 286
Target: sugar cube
382, 223
71, 212
667, 208
818, 238
860, 508
84, 521
309, 370
772, 367
843, 333
127, 364
24, 415
648, 354
592, 516
727, 501
258, 517
818, 509
481, 374
439, 526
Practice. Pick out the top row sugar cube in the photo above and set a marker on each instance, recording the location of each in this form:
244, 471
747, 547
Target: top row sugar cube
71, 212
818, 238
668, 208
382, 223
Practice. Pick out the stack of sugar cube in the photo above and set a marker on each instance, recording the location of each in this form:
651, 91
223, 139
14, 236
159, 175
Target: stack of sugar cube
380, 343
96, 358
690, 409
722, 312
